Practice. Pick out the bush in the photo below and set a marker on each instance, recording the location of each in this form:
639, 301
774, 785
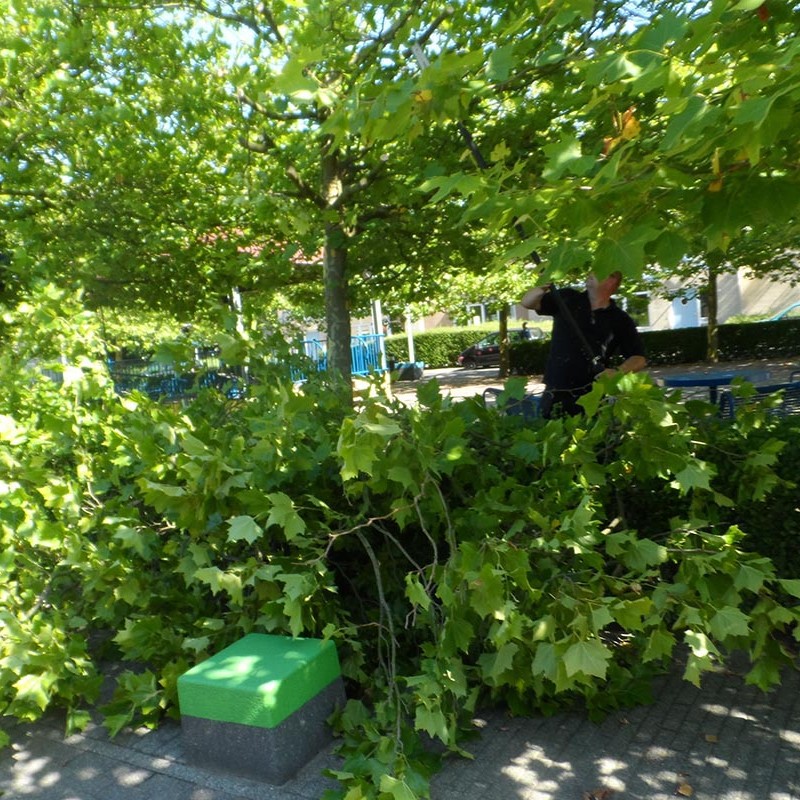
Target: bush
441, 347
772, 522
437, 348
455, 555
779, 339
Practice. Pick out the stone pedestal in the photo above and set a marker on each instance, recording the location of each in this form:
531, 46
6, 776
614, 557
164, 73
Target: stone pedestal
258, 707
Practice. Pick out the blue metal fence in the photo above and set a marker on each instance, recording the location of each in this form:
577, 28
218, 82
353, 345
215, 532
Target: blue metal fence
365, 352
365, 356
168, 382
175, 382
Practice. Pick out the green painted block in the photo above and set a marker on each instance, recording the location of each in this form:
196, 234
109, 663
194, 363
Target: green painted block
259, 680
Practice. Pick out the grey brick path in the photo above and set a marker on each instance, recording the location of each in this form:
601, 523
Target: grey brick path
727, 741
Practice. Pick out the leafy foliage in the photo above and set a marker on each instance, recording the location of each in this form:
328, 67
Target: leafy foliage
148, 159
454, 554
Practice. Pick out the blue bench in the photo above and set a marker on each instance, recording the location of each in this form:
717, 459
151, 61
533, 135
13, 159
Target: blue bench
789, 402
529, 407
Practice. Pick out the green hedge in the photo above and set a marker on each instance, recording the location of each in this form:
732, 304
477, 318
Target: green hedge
772, 524
779, 339
435, 348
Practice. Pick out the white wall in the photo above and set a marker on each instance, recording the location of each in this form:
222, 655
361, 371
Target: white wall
736, 295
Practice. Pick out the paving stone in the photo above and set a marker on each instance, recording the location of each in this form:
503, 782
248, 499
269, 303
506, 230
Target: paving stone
644, 753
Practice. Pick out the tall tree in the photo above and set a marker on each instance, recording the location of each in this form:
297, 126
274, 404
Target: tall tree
658, 113
189, 150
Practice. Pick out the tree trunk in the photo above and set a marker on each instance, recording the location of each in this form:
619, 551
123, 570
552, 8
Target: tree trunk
712, 346
337, 312
505, 359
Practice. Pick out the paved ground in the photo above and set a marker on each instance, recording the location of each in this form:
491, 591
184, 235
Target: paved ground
458, 382
727, 741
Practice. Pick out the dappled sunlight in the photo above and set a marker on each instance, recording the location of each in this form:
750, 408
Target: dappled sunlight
725, 740
140, 764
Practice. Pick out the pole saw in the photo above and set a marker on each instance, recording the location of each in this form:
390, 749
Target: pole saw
594, 359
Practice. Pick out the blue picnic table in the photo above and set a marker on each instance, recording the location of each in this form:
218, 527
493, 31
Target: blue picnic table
712, 380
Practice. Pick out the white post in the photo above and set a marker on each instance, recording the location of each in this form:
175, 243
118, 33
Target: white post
377, 328
412, 356
236, 302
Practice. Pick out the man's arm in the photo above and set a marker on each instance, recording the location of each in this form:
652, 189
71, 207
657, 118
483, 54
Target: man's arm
533, 298
632, 364
630, 343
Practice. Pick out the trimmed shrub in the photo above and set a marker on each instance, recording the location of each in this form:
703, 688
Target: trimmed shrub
779, 339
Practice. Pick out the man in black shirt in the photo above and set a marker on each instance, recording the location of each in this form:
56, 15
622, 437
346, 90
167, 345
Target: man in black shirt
608, 331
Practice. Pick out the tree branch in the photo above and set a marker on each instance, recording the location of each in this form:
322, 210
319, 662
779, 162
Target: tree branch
266, 112
363, 182
360, 56
305, 190
266, 144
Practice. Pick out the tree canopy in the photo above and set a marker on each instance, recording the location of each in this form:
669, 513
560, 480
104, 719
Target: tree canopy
165, 155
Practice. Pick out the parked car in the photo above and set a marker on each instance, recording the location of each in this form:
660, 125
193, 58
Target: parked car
486, 352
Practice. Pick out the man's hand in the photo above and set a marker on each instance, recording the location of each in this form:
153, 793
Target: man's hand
533, 298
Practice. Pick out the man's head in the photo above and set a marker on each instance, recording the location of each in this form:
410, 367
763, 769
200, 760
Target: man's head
607, 286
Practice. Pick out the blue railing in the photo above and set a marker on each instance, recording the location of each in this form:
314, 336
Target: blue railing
175, 382
365, 356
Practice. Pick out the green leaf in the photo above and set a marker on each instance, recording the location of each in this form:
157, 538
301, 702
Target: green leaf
644, 553
588, 658
765, 674
629, 613
701, 645
114, 723
165, 489
748, 5
432, 721
749, 578
416, 593
398, 789
294, 81
133, 539
243, 528
35, 689
669, 249
601, 616
693, 476
429, 394
612, 254
545, 662
382, 425
592, 399
566, 156
729, 621
218, 581
696, 115
790, 585
284, 515
494, 665
659, 645
500, 63
403, 476
567, 257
